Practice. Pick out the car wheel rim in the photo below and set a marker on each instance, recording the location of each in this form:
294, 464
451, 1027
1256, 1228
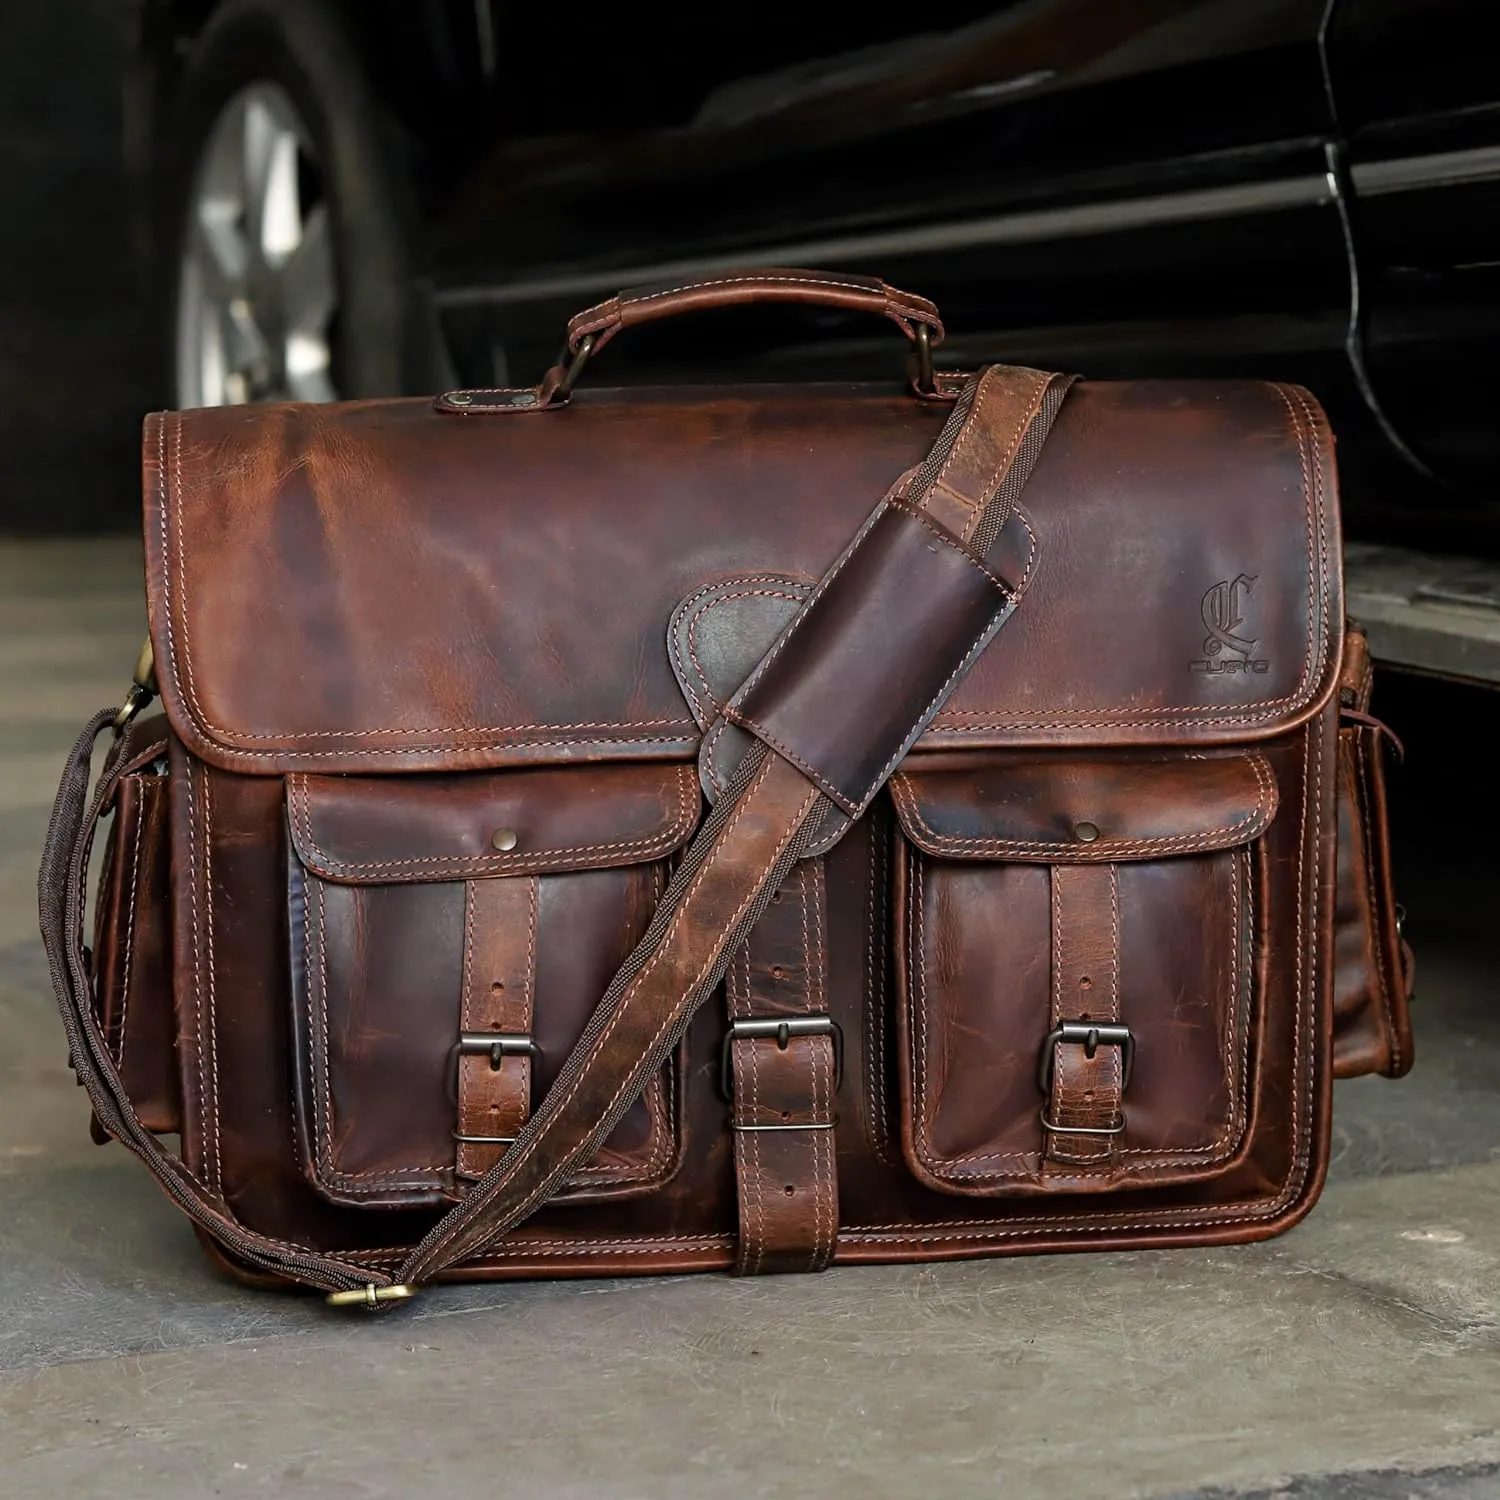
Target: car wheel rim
257, 288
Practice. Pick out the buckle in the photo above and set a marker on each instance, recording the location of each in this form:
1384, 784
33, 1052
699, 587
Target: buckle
499, 1045
1054, 1129
783, 1031
1090, 1035
371, 1296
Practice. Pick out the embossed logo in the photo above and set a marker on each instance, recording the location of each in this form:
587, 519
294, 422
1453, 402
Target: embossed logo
1228, 647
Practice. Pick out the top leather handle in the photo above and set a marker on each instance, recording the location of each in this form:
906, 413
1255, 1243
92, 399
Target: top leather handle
593, 328
645, 304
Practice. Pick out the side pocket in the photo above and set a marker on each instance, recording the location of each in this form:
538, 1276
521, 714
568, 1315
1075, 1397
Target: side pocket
133, 948
1372, 969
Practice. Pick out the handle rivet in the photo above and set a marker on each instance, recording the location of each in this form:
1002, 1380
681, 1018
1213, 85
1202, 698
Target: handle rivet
460, 398
504, 839
1085, 833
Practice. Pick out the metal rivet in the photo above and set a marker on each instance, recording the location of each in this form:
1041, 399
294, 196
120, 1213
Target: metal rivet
460, 398
1085, 833
504, 839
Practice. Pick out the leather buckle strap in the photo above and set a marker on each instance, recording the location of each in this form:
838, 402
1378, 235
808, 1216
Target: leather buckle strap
491, 1065
782, 1063
783, 1031
1089, 1054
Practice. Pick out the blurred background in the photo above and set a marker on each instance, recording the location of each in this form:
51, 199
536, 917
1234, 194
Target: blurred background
76, 371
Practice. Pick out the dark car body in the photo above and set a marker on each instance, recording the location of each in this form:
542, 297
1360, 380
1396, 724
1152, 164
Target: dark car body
1302, 188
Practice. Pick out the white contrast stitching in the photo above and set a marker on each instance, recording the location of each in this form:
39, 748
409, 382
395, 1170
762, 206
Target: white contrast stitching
794, 822
686, 619
1001, 468
474, 864
825, 1204
1226, 1139
1105, 850
612, 309
211, 1034
822, 587
757, 1172
463, 1157
980, 642
430, 1176
875, 1027
691, 630
1019, 514
228, 737
922, 1113
952, 721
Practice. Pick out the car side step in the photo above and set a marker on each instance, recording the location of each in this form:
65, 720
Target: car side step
1427, 613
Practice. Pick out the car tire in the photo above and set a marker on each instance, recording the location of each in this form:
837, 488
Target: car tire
334, 204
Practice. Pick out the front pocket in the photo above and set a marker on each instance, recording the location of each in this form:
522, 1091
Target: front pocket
450, 937
1076, 966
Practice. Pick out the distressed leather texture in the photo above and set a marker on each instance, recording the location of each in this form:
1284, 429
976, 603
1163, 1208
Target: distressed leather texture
439, 686
132, 952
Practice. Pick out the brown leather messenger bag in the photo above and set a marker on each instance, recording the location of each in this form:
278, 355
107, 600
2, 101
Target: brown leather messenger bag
993, 755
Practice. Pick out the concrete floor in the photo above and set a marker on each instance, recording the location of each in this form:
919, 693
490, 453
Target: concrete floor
1359, 1356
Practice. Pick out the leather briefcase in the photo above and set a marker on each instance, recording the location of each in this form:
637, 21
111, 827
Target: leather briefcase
611, 831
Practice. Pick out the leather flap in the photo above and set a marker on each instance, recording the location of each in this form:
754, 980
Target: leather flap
389, 830
379, 587
1065, 809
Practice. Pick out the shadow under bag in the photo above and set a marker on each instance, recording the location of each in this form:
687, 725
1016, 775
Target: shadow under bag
701, 828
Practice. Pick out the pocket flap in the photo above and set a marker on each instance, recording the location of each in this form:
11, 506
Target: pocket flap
390, 830
1061, 809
